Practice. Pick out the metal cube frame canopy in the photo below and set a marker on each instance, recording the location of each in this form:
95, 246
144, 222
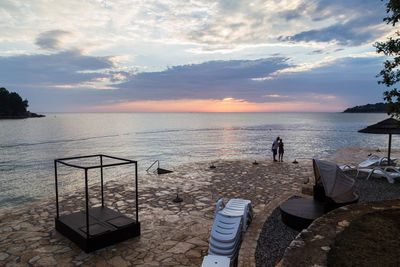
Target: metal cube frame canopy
97, 227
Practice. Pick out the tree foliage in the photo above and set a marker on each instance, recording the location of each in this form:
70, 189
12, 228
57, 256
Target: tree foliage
11, 104
369, 108
391, 48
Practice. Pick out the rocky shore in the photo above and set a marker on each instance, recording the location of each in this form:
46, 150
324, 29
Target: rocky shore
27, 115
172, 234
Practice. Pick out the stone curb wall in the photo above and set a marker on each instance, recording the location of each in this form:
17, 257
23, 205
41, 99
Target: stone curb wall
311, 246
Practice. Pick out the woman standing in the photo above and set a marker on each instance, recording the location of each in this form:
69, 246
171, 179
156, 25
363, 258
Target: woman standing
280, 150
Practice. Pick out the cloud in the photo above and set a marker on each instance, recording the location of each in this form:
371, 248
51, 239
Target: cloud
200, 30
350, 80
239, 22
303, 67
347, 23
352, 33
51, 40
346, 9
246, 50
340, 22
317, 51
63, 68
239, 79
213, 79
275, 96
331, 79
322, 96
224, 85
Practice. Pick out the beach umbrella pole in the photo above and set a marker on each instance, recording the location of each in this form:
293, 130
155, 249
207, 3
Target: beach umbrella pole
390, 145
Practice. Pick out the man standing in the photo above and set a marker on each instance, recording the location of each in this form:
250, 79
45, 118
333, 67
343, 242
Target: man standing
275, 145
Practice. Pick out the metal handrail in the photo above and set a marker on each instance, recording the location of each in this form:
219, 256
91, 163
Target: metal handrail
158, 166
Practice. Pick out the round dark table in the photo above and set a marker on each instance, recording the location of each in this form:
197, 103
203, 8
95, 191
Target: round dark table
299, 213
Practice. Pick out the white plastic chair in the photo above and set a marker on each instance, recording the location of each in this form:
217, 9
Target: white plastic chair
347, 167
374, 160
389, 172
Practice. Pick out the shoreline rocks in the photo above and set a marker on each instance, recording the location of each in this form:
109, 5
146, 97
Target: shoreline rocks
26, 116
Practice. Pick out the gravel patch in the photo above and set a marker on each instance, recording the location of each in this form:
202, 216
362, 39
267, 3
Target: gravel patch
375, 188
275, 236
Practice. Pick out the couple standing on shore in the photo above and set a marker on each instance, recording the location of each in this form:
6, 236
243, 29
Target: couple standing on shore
278, 144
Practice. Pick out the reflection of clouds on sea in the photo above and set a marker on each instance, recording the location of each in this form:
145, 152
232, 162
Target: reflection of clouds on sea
29, 147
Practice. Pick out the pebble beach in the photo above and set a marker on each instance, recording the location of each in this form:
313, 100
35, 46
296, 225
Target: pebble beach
172, 234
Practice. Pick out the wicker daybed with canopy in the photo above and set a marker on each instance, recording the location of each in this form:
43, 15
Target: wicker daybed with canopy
332, 189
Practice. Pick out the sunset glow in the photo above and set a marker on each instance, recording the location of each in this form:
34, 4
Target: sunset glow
210, 105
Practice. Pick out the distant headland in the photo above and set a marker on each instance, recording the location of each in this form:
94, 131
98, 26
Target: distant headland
369, 108
13, 107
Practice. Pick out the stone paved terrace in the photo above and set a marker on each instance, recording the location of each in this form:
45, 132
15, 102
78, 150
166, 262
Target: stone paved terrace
172, 234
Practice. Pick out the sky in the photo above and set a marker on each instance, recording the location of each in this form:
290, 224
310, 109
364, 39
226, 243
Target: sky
192, 55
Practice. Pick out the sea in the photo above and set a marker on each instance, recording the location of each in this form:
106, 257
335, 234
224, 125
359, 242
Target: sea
28, 147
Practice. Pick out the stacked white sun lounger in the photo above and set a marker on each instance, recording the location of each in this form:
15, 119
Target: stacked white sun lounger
230, 223
215, 261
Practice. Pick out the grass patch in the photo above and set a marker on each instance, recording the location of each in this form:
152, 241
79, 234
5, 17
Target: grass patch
372, 239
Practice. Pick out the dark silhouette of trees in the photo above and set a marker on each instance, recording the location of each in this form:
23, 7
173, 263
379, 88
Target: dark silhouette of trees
391, 48
369, 108
11, 104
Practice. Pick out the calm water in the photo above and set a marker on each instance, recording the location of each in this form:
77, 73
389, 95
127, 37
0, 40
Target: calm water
28, 147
